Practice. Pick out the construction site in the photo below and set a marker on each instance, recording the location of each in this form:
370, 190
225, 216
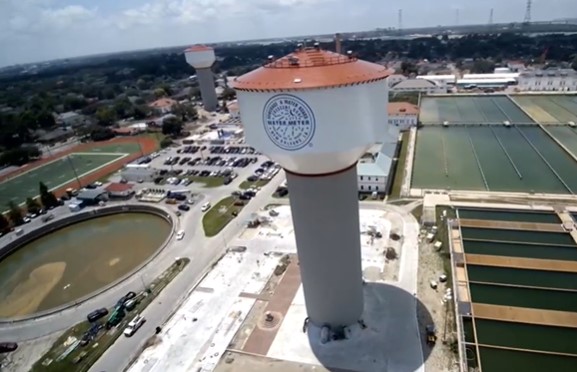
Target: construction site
249, 312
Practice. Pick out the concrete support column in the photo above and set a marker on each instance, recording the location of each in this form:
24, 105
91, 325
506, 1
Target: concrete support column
206, 84
325, 213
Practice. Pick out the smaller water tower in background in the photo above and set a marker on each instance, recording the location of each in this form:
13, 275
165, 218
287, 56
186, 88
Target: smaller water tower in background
202, 58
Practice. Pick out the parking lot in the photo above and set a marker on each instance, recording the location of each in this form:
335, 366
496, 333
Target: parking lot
211, 166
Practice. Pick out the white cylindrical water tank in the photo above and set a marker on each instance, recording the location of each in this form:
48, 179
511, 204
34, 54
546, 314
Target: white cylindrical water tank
200, 56
334, 105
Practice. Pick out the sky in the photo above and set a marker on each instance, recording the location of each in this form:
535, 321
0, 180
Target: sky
38, 30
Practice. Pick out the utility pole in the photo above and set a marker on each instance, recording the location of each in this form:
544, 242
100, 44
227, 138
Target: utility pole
139, 146
527, 18
74, 171
400, 26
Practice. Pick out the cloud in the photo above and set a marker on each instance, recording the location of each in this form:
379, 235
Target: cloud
32, 30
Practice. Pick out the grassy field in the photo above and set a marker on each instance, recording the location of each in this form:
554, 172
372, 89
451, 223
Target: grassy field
82, 358
400, 166
248, 184
219, 216
54, 174
208, 181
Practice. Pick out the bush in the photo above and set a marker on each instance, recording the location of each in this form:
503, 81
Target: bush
165, 142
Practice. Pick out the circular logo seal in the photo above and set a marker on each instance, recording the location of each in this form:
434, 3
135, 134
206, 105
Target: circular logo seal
289, 122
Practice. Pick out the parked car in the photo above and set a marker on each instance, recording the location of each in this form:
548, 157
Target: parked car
97, 314
205, 207
180, 235
7, 347
133, 326
184, 207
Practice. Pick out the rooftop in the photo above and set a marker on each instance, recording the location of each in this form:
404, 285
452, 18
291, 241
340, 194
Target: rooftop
119, 187
198, 48
311, 68
162, 103
415, 84
382, 165
402, 108
89, 194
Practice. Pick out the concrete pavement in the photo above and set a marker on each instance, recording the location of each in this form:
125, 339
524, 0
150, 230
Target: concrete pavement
203, 252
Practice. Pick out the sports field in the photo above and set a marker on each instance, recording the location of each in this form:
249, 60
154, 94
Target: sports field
55, 174
549, 109
89, 162
492, 158
471, 110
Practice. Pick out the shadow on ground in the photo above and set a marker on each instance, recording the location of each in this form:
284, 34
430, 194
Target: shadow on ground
391, 340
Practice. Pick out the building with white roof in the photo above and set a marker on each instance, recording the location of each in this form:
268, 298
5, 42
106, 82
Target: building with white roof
374, 176
442, 80
419, 85
560, 80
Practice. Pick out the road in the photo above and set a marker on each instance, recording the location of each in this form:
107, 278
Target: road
203, 252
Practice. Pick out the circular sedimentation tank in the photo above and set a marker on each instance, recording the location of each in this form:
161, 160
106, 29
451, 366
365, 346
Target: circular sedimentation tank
65, 265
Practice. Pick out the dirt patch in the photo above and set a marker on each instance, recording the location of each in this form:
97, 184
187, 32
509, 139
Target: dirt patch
28, 295
442, 357
27, 354
234, 362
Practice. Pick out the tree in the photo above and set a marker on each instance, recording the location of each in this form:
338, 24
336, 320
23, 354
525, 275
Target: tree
32, 206
172, 126
19, 156
101, 134
141, 112
482, 66
4, 223
46, 197
45, 120
105, 116
15, 214
228, 94
123, 108
185, 112
165, 142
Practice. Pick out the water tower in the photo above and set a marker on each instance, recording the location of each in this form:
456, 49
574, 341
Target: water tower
202, 58
316, 113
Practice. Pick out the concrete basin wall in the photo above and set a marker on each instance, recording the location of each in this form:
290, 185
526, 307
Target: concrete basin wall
52, 226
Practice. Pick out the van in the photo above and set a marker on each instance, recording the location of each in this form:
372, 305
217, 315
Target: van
205, 207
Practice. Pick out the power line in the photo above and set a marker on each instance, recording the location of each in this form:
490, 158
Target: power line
527, 18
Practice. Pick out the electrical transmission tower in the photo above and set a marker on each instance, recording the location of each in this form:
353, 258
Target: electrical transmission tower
491, 17
400, 26
527, 18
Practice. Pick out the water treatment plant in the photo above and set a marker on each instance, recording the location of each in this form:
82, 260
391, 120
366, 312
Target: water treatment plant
490, 144
470, 266
515, 275
72, 258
